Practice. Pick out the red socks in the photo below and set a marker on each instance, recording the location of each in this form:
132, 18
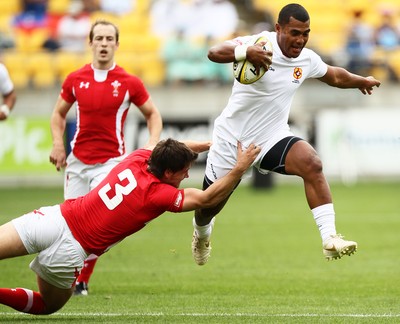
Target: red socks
87, 269
23, 300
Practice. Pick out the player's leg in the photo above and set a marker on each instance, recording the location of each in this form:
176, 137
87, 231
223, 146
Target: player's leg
204, 216
95, 174
49, 300
82, 283
203, 223
18, 298
75, 185
201, 244
10, 242
53, 297
220, 160
302, 160
76, 180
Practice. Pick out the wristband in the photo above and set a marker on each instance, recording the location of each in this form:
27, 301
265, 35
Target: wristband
240, 52
5, 110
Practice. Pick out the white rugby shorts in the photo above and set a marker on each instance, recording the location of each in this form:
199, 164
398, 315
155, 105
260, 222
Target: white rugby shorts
60, 256
80, 178
222, 155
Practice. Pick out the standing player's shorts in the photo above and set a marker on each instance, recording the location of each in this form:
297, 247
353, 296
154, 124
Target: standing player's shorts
80, 178
60, 257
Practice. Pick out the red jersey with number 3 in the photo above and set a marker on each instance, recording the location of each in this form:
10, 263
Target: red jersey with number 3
102, 101
122, 204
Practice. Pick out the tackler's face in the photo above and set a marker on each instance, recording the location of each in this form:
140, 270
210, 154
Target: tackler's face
175, 178
293, 37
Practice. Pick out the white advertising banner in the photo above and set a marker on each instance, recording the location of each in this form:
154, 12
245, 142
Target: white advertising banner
354, 143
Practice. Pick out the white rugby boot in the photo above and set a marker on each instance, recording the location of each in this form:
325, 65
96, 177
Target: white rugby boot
335, 247
201, 247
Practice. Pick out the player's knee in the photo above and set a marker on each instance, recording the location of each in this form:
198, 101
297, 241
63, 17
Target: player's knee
54, 306
313, 165
53, 298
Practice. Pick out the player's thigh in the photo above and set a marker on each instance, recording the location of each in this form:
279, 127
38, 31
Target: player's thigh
221, 159
76, 180
301, 159
39, 229
75, 185
10, 242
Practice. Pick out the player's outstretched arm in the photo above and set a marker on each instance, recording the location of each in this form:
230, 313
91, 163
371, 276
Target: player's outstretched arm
220, 189
198, 146
341, 78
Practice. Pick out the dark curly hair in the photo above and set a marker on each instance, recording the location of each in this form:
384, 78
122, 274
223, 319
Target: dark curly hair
170, 155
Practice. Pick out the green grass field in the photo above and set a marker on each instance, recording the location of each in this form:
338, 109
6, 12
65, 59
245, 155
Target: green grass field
266, 265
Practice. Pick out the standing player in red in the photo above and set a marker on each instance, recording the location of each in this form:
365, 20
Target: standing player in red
140, 188
103, 93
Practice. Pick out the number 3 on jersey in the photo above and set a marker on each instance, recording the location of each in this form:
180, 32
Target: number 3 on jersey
120, 190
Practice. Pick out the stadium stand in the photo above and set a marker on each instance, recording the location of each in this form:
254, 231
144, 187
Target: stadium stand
329, 18
58, 7
31, 65
41, 70
16, 65
9, 8
140, 49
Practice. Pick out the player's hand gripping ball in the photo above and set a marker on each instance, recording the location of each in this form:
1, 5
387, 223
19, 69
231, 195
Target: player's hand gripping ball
244, 71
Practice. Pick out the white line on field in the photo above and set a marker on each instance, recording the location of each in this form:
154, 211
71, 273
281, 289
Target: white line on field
216, 315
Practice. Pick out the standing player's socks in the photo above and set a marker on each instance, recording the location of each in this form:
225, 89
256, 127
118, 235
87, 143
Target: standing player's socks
87, 269
23, 300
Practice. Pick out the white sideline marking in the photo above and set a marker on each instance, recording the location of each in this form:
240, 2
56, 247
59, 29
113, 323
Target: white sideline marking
216, 315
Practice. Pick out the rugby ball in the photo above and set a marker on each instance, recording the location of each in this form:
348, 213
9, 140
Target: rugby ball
244, 71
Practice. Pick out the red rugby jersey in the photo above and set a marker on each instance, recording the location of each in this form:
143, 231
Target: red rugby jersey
102, 102
122, 204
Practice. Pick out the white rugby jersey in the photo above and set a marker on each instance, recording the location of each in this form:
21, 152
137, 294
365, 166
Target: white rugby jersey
6, 85
255, 112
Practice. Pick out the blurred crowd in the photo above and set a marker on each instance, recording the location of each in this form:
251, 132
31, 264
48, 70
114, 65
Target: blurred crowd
374, 48
173, 36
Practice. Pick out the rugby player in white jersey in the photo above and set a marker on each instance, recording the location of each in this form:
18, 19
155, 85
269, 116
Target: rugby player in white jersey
258, 113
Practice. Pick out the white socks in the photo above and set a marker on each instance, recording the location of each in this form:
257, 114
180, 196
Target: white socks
204, 231
324, 216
